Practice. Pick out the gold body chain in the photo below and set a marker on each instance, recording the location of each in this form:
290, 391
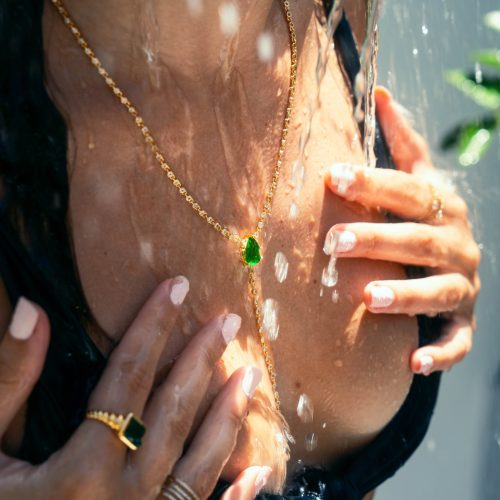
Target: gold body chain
241, 241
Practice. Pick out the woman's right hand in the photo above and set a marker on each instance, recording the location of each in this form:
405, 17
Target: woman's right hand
94, 463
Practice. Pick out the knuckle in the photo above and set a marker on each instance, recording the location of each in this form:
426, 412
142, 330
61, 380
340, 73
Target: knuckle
430, 251
372, 241
209, 356
474, 254
452, 298
135, 373
461, 208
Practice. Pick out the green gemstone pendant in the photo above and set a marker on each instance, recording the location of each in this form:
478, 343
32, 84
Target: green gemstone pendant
251, 252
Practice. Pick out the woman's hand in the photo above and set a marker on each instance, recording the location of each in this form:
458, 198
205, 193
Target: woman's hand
435, 234
95, 463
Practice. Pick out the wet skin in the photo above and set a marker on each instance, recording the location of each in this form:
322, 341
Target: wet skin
216, 112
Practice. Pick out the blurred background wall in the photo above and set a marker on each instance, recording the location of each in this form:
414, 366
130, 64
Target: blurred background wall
419, 41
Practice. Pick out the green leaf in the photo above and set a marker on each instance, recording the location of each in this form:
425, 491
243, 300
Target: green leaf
473, 143
487, 57
486, 93
453, 137
492, 20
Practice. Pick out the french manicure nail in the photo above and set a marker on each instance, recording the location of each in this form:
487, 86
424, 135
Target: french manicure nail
24, 320
179, 290
381, 296
342, 176
230, 327
261, 479
346, 240
253, 376
426, 364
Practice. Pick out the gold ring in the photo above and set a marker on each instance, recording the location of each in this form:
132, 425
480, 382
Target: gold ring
436, 209
128, 428
176, 489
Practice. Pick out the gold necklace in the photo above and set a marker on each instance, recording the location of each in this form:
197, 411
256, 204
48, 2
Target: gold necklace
249, 247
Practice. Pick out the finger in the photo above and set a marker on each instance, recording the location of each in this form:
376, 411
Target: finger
407, 147
431, 295
126, 383
449, 350
405, 195
22, 354
216, 438
170, 414
248, 484
406, 243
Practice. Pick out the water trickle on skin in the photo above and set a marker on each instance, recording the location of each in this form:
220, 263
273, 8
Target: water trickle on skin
329, 277
311, 441
297, 177
305, 409
293, 212
270, 318
280, 267
335, 296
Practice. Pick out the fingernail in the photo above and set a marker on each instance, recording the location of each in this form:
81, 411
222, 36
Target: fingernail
346, 240
253, 376
230, 327
24, 320
342, 176
179, 290
426, 364
381, 296
261, 479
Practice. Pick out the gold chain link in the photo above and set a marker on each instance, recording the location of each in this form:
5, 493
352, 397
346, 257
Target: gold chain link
189, 198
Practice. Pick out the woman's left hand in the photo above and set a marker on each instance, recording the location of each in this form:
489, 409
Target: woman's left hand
434, 234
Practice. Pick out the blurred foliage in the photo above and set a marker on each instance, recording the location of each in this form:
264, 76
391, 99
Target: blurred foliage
473, 138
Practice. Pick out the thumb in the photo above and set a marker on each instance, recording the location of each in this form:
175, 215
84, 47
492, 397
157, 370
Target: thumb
248, 484
22, 355
408, 147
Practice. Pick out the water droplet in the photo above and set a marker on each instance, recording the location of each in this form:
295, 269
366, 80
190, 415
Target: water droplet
415, 52
305, 409
425, 29
330, 275
331, 241
280, 267
323, 425
229, 18
311, 441
338, 363
321, 292
265, 47
293, 213
270, 318
431, 445
195, 7
335, 296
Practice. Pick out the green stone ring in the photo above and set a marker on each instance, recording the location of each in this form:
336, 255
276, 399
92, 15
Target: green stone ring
128, 428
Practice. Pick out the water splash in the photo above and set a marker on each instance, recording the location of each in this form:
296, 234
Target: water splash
305, 409
270, 318
280, 267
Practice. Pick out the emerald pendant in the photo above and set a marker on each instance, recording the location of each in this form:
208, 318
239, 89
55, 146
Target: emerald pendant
251, 253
